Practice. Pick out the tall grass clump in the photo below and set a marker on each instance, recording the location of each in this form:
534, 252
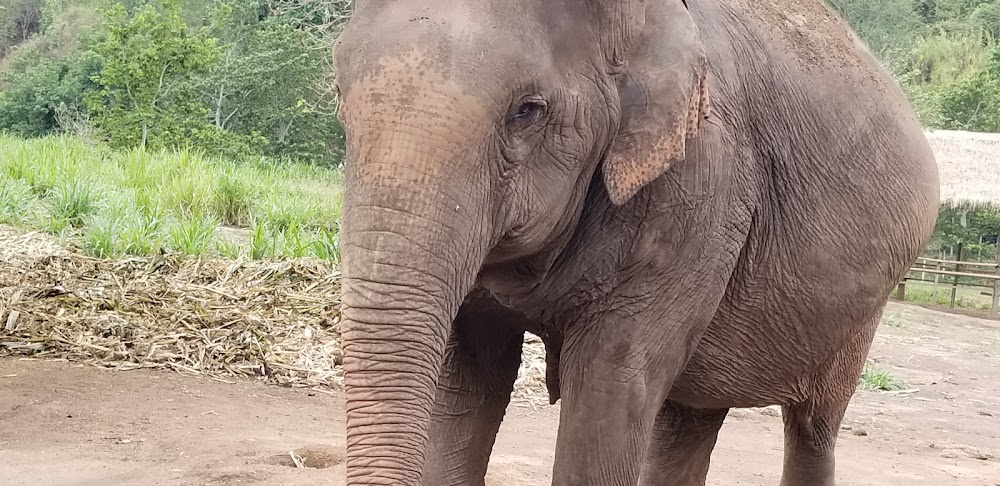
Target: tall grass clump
229, 249
193, 235
16, 201
189, 185
874, 379
327, 245
263, 244
72, 200
235, 195
101, 238
120, 228
140, 170
283, 213
142, 236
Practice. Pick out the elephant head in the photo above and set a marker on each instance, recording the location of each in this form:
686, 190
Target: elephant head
476, 130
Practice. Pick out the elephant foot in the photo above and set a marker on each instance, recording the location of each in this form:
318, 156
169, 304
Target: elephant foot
810, 439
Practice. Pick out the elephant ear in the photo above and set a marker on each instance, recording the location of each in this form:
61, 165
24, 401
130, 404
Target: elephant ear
663, 95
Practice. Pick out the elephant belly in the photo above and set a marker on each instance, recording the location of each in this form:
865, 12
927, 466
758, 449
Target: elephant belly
745, 360
790, 309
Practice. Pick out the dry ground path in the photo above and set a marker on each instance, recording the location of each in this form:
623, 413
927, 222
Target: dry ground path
63, 424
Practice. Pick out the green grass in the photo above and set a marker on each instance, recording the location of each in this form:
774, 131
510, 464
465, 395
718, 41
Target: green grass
234, 199
966, 298
874, 379
101, 239
135, 203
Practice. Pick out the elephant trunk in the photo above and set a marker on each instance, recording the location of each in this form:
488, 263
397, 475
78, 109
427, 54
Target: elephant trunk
412, 243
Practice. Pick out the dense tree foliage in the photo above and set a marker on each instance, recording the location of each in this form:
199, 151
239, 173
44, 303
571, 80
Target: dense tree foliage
146, 92
19, 20
271, 82
976, 229
944, 52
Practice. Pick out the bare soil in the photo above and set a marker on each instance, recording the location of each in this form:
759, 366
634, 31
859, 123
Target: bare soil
64, 424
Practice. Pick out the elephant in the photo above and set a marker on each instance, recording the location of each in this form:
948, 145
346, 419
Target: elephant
697, 205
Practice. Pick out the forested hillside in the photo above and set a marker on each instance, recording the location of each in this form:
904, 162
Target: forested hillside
234, 77
944, 53
250, 78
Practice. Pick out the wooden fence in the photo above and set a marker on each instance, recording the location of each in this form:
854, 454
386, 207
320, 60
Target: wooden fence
949, 272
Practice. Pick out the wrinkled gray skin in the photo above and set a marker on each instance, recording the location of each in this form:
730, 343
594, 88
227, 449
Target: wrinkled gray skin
697, 206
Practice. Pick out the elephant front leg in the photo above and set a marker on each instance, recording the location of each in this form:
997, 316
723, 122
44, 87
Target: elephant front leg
474, 389
613, 384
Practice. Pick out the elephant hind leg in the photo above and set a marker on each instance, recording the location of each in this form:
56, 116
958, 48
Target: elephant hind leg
681, 447
810, 437
811, 426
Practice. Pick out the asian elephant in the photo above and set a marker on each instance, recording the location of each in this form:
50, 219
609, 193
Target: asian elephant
698, 205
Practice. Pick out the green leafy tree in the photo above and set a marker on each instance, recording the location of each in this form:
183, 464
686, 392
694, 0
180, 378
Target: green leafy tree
147, 93
987, 17
887, 26
939, 51
976, 229
34, 92
271, 82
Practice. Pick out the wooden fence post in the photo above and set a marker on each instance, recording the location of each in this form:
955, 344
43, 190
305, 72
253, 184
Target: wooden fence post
996, 283
937, 278
958, 268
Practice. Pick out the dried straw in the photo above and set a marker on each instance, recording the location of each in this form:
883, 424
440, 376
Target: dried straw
530, 381
278, 321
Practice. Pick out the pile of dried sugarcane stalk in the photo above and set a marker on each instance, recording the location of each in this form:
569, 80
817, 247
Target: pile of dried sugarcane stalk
274, 320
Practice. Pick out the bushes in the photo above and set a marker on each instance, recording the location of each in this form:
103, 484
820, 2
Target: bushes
974, 102
941, 51
967, 99
267, 86
884, 24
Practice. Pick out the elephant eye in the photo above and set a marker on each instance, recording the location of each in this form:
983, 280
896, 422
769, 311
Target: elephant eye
528, 110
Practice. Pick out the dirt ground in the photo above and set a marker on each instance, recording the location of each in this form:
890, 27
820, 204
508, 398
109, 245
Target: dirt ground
63, 424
